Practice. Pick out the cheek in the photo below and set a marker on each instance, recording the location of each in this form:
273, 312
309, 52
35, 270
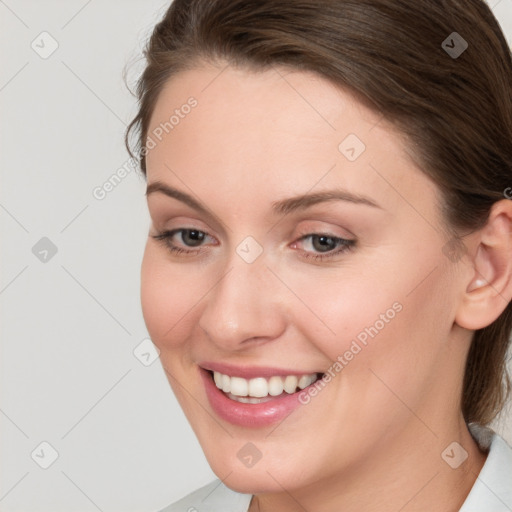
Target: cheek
401, 352
380, 312
340, 305
168, 297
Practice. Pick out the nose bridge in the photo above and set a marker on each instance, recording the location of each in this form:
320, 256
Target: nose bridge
243, 302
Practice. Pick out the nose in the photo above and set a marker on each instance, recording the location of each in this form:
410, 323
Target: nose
244, 306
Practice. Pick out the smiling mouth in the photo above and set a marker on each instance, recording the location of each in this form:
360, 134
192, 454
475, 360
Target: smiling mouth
261, 389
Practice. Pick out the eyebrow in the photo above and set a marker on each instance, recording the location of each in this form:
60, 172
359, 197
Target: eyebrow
282, 207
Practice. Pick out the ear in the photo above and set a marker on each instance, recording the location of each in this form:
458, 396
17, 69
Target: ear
488, 287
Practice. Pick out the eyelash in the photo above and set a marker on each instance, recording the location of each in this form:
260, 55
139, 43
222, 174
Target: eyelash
345, 244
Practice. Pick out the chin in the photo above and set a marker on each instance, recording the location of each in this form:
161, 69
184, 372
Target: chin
267, 475
247, 482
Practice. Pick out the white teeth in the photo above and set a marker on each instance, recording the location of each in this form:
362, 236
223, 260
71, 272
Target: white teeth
261, 387
275, 386
258, 387
290, 383
305, 381
226, 383
239, 387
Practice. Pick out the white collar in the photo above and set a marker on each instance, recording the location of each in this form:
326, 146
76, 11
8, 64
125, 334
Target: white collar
492, 490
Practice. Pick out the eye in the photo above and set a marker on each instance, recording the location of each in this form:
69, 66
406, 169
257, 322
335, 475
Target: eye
328, 246
190, 237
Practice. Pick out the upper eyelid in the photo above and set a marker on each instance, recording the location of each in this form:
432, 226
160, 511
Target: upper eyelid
303, 215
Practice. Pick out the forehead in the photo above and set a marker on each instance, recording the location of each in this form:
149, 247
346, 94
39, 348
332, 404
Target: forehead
277, 130
277, 104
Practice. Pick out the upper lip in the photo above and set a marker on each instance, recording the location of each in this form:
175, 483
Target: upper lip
251, 372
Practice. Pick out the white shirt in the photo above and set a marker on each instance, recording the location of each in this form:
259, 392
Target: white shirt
491, 492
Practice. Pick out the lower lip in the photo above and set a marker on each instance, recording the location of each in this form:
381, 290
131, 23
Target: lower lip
249, 415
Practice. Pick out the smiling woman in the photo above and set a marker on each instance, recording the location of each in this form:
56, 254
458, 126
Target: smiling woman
328, 271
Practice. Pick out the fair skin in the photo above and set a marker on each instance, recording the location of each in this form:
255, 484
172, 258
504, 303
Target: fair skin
373, 438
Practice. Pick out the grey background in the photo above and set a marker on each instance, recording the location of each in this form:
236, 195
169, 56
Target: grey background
75, 369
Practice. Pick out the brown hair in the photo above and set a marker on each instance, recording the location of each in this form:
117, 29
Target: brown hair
454, 110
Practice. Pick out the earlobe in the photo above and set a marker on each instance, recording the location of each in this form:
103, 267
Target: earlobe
489, 289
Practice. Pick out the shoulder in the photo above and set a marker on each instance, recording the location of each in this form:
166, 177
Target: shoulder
492, 490
213, 497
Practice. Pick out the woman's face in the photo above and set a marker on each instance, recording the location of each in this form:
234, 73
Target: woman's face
252, 299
